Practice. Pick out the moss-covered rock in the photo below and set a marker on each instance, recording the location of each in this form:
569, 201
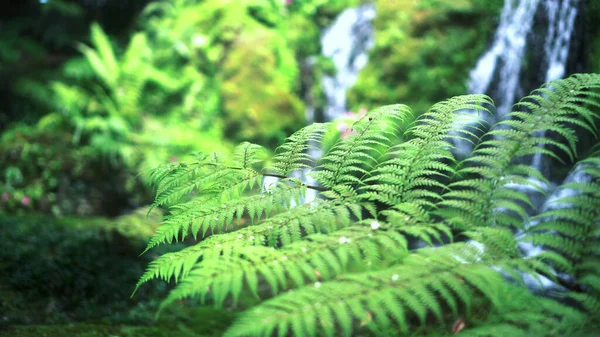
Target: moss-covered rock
423, 51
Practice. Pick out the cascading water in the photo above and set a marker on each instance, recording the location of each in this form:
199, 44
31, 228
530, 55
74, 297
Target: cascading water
498, 72
561, 18
503, 60
346, 42
561, 21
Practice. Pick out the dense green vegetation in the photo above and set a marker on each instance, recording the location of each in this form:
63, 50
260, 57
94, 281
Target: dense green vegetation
179, 84
107, 105
424, 51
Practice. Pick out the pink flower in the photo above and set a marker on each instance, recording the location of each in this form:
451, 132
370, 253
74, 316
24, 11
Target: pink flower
344, 129
5, 196
26, 201
288, 2
347, 132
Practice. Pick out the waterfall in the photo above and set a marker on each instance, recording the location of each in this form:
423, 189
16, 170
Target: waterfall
346, 42
561, 21
498, 71
498, 74
503, 60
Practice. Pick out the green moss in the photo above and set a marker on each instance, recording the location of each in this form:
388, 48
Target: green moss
74, 276
423, 51
59, 270
200, 322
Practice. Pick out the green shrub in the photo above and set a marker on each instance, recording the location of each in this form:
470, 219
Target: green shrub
47, 173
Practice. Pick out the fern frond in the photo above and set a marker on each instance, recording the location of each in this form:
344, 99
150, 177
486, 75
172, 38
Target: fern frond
401, 234
281, 229
103, 60
570, 227
246, 155
357, 153
203, 214
405, 293
523, 314
133, 76
492, 168
207, 175
317, 257
293, 155
409, 174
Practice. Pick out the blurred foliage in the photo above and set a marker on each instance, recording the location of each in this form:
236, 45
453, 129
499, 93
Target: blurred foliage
46, 172
245, 55
215, 43
126, 107
196, 76
423, 51
36, 37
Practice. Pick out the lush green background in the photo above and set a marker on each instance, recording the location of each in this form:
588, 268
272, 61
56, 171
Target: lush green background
94, 92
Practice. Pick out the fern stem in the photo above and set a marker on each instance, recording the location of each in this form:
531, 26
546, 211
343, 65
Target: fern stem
274, 175
312, 187
573, 286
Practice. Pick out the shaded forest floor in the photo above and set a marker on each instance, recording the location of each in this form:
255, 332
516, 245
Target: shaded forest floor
74, 277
